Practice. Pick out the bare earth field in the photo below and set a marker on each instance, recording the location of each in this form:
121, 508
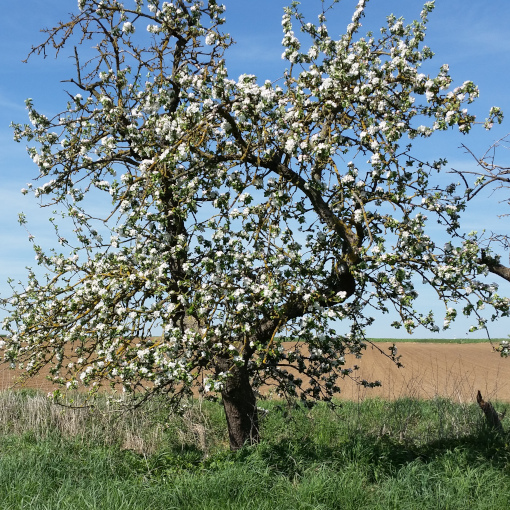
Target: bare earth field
456, 371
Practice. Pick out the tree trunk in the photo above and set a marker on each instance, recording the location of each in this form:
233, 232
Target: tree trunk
240, 409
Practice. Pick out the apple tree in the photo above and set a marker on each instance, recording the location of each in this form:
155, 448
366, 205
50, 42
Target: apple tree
220, 235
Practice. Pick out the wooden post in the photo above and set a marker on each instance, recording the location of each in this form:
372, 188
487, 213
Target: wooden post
491, 415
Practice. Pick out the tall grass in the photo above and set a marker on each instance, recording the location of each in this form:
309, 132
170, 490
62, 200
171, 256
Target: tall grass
104, 423
375, 454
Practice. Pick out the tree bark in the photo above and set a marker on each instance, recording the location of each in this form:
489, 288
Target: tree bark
240, 407
500, 270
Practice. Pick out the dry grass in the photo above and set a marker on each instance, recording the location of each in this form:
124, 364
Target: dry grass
141, 430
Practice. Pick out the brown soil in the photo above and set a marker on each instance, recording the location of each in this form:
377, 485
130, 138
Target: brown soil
456, 371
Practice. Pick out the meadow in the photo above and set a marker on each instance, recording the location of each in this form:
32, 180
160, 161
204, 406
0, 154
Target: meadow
373, 454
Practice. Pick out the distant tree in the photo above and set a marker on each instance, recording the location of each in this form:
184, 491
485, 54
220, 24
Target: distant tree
243, 215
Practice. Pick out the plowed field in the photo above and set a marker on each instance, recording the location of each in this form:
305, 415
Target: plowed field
456, 371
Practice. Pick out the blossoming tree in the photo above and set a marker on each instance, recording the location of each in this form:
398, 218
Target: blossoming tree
249, 222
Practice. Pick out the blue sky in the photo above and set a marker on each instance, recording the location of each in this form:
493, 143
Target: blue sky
473, 37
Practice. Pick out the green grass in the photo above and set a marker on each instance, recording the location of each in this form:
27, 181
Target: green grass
495, 341
405, 454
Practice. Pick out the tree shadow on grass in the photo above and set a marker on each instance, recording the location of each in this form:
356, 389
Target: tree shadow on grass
382, 455
296, 442
388, 455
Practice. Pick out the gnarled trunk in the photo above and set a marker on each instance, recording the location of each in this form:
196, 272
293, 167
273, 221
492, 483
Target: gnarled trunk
240, 407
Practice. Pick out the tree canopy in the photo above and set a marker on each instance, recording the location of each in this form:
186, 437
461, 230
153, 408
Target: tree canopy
253, 228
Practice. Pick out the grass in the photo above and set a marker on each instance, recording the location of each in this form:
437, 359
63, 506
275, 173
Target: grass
406, 454
439, 340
